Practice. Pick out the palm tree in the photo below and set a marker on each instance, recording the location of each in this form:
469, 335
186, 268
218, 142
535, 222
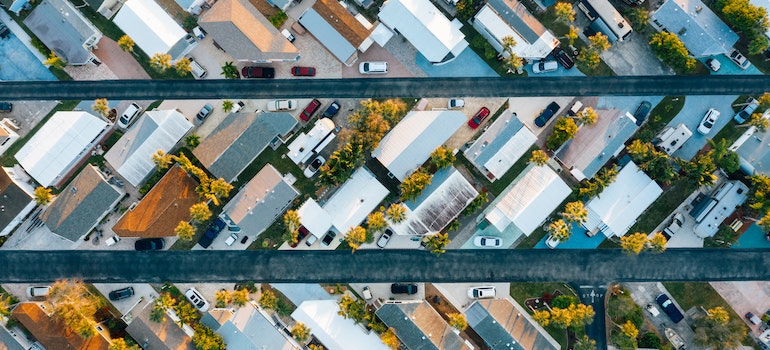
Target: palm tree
376, 221
564, 12
192, 141
43, 195
222, 296
227, 106
55, 61
291, 220
396, 213
633, 243
457, 321
657, 243
230, 71
182, 66
300, 332
437, 242
101, 106
559, 230
75, 306
575, 212
185, 231
126, 43
355, 237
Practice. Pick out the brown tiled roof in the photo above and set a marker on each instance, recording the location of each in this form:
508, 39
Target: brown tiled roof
52, 333
161, 210
342, 21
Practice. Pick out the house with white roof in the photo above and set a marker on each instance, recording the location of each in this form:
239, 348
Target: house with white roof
155, 130
753, 148
410, 143
64, 30
153, 29
347, 208
616, 209
249, 328
500, 146
333, 330
448, 193
504, 325
701, 31
498, 19
305, 145
438, 39
341, 33
62, 143
709, 211
527, 201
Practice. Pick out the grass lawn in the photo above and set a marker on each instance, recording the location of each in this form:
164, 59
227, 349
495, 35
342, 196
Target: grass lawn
660, 116
523, 291
487, 53
7, 158
662, 207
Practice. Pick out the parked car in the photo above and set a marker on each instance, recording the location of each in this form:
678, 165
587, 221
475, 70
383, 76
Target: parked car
479, 117
753, 318
332, 110
385, 238
708, 121
281, 105
310, 240
288, 35
367, 293
739, 59
258, 72
403, 288
676, 223
328, 238
455, 104
237, 107
212, 232
313, 166
552, 242
129, 116
231, 239
302, 232
309, 110
199, 33
303, 71
6, 107
547, 114
481, 292
563, 58
204, 112
487, 241
713, 64
38, 292
669, 308
149, 244
745, 113
545, 67
373, 67
196, 299
642, 112
122, 293
112, 241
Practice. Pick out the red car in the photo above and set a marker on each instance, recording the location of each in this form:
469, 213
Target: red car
303, 232
311, 108
303, 71
479, 117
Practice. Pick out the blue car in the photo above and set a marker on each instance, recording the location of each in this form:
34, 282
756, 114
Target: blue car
668, 306
212, 232
333, 109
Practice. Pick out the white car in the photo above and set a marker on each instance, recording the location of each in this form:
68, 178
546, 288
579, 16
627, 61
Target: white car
545, 66
373, 67
313, 166
739, 59
487, 241
196, 299
38, 292
281, 105
129, 116
552, 242
385, 238
231, 239
455, 104
481, 292
708, 121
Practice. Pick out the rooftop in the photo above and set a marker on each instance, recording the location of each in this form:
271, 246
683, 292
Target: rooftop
501, 18
726, 198
53, 334
500, 146
63, 29
151, 27
158, 335
419, 326
355, 199
251, 328
753, 147
305, 145
333, 330
13, 198
505, 325
701, 31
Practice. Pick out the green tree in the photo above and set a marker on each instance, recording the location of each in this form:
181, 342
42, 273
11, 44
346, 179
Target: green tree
759, 193
633, 243
183, 66
758, 122
222, 298
230, 71
75, 306
396, 213
187, 313
300, 332
120, 344
43, 195
457, 321
543, 317
355, 237
718, 330
192, 141
575, 212
340, 164
227, 106
354, 309
629, 330
745, 17
653, 162
649, 341
699, 171
291, 221
160, 61
442, 157
465, 9
589, 59
220, 188
437, 242
572, 35
563, 130
126, 43
164, 302
585, 343
758, 44
559, 230
101, 106
476, 204
412, 186
268, 300
184, 231
723, 156
538, 157
599, 42
671, 50
206, 339
638, 17
564, 12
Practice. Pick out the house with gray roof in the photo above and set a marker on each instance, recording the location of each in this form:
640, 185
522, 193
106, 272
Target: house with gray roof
419, 326
249, 328
258, 203
240, 138
81, 205
341, 33
16, 195
504, 325
701, 31
498, 19
500, 146
753, 148
163, 335
64, 30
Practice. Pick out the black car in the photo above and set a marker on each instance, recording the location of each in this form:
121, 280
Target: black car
547, 114
212, 232
332, 110
642, 112
668, 306
563, 58
258, 72
329, 238
403, 288
123, 293
6, 107
150, 244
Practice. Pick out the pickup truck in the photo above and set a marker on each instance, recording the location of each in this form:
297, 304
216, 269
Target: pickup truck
676, 223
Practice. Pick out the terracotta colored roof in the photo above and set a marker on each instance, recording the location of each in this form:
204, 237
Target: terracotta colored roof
52, 333
342, 21
161, 210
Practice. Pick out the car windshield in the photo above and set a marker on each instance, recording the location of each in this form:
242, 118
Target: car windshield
708, 124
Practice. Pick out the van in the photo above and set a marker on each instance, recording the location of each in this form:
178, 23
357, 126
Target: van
196, 70
573, 111
129, 116
373, 67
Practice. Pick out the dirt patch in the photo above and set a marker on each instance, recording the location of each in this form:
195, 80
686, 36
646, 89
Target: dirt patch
444, 307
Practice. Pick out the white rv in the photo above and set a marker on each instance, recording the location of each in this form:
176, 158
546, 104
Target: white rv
671, 139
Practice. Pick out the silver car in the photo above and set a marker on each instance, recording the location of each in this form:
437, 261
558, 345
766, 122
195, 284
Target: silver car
487, 241
385, 238
481, 292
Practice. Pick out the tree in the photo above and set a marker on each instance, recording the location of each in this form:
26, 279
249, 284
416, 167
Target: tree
465, 9
759, 192
513, 63
412, 186
476, 204
355, 237
719, 315
75, 306
638, 17
563, 130
206, 339
588, 116
585, 343
457, 321
723, 156
120, 344
240, 297
564, 12
126, 43
629, 330
589, 58
657, 243
220, 188
43, 195
227, 106
599, 42
200, 212
101, 106
184, 231
649, 341
653, 162
671, 50
437, 242
699, 171
718, 331
230, 71
758, 122
538, 157
376, 221
745, 17
192, 141
160, 61
559, 230
268, 300
396, 213
575, 212
183, 66
390, 339
354, 309
300, 332
758, 44
764, 100
543, 317
164, 302
222, 297
442, 157
162, 160
633, 243
572, 35
291, 221
187, 313
55, 61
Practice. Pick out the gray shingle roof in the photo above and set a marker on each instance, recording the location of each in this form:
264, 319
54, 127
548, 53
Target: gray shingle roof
12, 198
61, 27
701, 31
504, 327
419, 326
515, 14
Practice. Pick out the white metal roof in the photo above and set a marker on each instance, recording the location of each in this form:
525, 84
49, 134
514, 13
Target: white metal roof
616, 209
413, 139
156, 130
510, 152
355, 199
536, 193
315, 219
729, 196
59, 144
499, 28
149, 25
333, 330
424, 26
302, 146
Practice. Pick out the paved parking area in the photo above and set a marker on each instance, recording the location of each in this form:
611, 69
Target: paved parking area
207, 290
382, 291
644, 294
142, 291
634, 56
746, 296
29, 113
695, 107
457, 293
728, 67
528, 108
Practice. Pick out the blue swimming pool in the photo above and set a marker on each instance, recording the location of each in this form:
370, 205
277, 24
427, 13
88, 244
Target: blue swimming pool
18, 63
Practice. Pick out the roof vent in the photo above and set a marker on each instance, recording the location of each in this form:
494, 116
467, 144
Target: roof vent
74, 190
698, 9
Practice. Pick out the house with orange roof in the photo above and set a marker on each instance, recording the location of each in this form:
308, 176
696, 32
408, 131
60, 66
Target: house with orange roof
343, 34
53, 334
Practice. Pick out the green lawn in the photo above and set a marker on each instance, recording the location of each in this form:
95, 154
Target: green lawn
523, 291
7, 159
660, 116
662, 207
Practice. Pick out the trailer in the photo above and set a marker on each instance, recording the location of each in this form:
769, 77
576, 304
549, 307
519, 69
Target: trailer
676, 341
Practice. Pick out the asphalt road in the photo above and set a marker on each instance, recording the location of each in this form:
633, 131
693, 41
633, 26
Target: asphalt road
466, 265
385, 87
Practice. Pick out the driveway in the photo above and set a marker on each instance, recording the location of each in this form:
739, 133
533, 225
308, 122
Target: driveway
634, 56
743, 297
457, 293
382, 291
644, 294
142, 291
695, 107
466, 64
299, 292
122, 64
528, 108
28, 114
728, 66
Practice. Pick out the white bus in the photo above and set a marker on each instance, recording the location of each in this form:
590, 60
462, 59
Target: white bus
605, 19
